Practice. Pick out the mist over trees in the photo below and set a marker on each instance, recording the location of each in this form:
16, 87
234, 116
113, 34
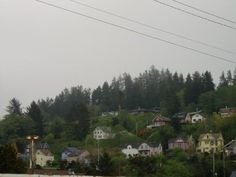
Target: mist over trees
69, 113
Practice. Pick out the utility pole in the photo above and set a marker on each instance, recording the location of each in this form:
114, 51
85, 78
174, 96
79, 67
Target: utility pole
98, 152
224, 162
32, 139
213, 158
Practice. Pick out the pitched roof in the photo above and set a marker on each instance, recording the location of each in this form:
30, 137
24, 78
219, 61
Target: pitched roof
105, 129
136, 145
154, 144
196, 112
45, 152
161, 118
174, 140
72, 151
180, 115
233, 174
227, 110
42, 145
211, 135
230, 145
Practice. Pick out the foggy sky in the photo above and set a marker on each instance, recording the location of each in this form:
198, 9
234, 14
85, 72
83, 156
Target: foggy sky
44, 50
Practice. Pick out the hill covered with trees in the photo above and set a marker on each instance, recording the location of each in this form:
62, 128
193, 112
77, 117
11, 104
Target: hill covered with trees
70, 117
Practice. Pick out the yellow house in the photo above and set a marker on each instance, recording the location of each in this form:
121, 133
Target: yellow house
210, 142
42, 156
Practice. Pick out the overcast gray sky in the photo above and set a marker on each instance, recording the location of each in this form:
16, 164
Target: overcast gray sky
44, 49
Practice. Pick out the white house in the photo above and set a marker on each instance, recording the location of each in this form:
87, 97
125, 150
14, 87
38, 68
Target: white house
43, 156
130, 151
197, 118
102, 133
150, 149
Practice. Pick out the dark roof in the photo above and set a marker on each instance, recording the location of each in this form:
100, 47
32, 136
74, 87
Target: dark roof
227, 110
233, 174
72, 151
193, 113
230, 145
180, 115
42, 145
154, 144
159, 117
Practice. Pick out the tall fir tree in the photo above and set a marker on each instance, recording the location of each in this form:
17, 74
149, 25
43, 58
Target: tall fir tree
14, 107
35, 114
79, 120
223, 81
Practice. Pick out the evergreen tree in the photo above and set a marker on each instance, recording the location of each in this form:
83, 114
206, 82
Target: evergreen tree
188, 90
79, 120
14, 107
234, 79
97, 96
9, 162
35, 114
208, 84
105, 165
223, 80
106, 99
128, 90
229, 78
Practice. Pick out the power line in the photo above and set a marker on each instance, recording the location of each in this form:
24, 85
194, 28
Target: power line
203, 11
153, 27
137, 32
193, 14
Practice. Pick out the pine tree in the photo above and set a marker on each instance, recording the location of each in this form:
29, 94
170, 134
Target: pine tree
223, 80
208, 84
14, 107
105, 165
35, 114
79, 120
229, 78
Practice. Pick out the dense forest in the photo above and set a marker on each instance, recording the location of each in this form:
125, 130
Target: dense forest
170, 92
69, 118
69, 114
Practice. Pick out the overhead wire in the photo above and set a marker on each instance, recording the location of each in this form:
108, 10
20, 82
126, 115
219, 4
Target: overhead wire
153, 27
193, 14
137, 32
203, 11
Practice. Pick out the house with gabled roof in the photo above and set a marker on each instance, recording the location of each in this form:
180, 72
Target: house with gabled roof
159, 121
230, 148
181, 143
103, 133
43, 157
130, 150
42, 145
227, 112
209, 142
142, 149
150, 149
73, 154
190, 117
